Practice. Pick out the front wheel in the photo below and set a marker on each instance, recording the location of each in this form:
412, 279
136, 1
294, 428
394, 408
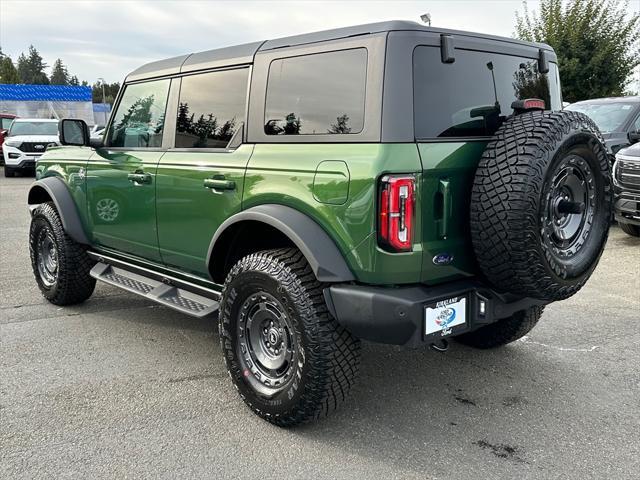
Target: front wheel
9, 172
630, 229
288, 358
503, 331
61, 266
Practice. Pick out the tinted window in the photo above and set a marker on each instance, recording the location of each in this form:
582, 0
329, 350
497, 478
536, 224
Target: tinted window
458, 99
317, 94
610, 116
211, 108
139, 120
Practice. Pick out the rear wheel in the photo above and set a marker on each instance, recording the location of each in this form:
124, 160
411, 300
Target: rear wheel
630, 229
503, 331
289, 359
61, 266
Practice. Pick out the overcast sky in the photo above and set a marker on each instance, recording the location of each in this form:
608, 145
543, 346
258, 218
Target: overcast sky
109, 38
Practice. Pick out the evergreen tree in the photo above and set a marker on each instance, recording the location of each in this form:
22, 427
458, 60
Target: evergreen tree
596, 41
110, 92
341, 125
74, 81
292, 124
227, 130
183, 123
59, 74
31, 68
8, 72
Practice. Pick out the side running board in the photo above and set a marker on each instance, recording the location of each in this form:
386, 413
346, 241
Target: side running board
160, 291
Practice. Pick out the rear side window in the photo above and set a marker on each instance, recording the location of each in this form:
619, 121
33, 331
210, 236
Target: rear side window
139, 120
317, 94
459, 99
211, 108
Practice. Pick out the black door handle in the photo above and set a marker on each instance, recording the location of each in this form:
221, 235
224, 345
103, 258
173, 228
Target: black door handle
139, 178
219, 184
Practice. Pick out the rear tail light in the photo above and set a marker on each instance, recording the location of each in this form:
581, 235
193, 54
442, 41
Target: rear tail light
396, 212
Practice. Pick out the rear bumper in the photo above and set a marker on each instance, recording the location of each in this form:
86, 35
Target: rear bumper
397, 315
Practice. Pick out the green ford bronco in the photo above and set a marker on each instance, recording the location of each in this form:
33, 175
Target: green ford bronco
386, 182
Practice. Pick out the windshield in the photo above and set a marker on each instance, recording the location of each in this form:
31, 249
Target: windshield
5, 123
609, 117
33, 128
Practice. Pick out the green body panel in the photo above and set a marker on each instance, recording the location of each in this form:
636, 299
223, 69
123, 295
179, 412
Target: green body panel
170, 221
68, 164
284, 174
331, 182
122, 213
188, 212
449, 169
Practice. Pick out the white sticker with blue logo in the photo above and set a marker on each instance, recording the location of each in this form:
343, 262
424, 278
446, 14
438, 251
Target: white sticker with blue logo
445, 315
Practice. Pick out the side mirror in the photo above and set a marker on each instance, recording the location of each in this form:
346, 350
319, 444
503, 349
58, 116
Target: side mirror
3, 133
634, 136
73, 132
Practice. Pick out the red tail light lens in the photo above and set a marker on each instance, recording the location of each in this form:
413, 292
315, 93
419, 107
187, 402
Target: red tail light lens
396, 213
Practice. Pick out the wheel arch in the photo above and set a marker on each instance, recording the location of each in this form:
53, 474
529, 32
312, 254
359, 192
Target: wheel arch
277, 223
52, 189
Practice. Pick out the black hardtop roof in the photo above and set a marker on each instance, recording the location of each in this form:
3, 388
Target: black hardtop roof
243, 54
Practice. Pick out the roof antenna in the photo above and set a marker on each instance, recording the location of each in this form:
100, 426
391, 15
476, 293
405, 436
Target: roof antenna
426, 18
495, 90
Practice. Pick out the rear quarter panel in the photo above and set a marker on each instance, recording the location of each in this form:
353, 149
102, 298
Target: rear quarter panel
344, 207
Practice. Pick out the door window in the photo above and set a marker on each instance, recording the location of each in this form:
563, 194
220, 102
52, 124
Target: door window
317, 94
139, 119
211, 108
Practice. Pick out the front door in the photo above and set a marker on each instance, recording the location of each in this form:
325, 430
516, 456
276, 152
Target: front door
121, 177
201, 179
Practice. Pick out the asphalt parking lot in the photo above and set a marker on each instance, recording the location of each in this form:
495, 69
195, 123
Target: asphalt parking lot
121, 388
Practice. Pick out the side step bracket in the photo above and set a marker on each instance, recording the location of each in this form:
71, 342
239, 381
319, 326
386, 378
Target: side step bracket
166, 294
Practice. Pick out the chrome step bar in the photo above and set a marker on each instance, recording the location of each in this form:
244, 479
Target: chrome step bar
183, 296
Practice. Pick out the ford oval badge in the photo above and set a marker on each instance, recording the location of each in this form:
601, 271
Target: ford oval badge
442, 259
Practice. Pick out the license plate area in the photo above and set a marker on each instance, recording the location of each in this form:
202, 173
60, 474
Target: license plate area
445, 317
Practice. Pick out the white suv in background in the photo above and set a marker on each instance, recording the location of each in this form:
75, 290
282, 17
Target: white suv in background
27, 140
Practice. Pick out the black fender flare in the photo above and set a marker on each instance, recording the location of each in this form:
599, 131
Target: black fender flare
324, 257
56, 189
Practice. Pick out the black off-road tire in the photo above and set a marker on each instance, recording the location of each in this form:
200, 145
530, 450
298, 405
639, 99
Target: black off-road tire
328, 355
503, 331
9, 172
630, 229
514, 204
70, 283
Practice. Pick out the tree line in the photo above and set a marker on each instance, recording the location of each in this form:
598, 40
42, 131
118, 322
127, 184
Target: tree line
29, 69
597, 43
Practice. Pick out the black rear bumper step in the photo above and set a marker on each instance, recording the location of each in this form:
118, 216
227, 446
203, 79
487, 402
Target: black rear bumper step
173, 293
396, 315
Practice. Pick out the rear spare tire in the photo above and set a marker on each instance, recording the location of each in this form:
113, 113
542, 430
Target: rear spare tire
541, 204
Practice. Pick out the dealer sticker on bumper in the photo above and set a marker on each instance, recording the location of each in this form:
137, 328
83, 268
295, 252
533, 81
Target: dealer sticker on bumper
445, 315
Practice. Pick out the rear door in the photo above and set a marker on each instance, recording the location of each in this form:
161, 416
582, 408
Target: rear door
121, 177
200, 179
457, 109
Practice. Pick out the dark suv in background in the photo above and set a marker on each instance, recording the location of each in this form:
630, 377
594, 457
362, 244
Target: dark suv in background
618, 119
626, 184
